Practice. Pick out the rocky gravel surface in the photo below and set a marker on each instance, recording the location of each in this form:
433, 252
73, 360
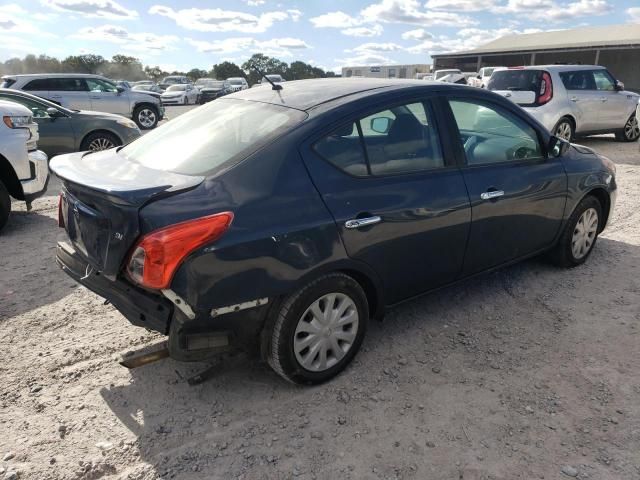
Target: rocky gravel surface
527, 373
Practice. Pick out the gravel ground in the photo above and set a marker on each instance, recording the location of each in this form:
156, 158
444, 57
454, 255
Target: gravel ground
529, 372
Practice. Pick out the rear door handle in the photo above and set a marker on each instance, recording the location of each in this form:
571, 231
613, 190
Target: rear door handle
362, 222
604, 99
492, 194
574, 99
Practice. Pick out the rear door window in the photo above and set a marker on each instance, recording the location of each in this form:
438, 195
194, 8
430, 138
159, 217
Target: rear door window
343, 149
578, 80
68, 85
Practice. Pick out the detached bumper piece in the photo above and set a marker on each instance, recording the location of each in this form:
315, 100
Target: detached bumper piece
140, 307
36, 185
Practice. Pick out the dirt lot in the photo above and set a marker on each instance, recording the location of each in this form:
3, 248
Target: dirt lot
530, 372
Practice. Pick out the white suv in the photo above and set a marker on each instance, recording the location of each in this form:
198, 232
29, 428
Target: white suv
91, 92
571, 100
24, 171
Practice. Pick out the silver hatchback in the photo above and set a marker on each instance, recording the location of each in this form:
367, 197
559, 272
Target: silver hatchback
92, 93
571, 100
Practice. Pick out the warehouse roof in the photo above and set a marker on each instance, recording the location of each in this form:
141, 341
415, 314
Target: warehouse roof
586, 37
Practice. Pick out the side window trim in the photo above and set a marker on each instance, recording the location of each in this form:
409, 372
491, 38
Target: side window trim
456, 138
364, 148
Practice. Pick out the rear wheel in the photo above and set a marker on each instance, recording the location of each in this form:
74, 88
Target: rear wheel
580, 234
318, 330
631, 131
564, 129
5, 205
99, 141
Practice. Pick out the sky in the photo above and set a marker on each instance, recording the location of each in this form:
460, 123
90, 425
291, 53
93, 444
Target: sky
180, 35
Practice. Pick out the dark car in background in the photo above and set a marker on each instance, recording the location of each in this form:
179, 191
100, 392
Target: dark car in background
173, 80
284, 220
214, 89
63, 130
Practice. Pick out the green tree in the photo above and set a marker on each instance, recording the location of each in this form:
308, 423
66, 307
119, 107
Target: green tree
154, 73
267, 65
196, 73
225, 70
83, 63
300, 71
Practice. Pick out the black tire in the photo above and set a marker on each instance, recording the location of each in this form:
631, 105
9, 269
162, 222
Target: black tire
146, 117
562, 254
5, 205
281, 328
565, 125
97, 141
630, 132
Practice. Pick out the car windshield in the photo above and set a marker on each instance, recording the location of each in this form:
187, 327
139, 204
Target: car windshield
235, 81
142, 87
214, 84
488, 71
204, 81
274, 78
515, 80
171, 80
443, 73
174, 88
209, 138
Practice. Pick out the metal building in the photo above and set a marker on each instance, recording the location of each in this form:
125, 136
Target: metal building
616, 47
386, 71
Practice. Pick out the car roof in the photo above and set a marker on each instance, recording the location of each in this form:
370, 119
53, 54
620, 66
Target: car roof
555, 67
306, 94
20, 93
54, 75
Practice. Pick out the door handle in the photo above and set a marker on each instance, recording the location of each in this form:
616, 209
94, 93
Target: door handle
574, 99
603, 99
94, 98
362, 222
492, 194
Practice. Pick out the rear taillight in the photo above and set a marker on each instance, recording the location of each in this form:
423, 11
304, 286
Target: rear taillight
60, 217
157, 256
546, 89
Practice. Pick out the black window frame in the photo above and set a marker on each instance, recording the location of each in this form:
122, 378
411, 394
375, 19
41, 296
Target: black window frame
46, 81
61, 79
458, 145
583, 71
429, 102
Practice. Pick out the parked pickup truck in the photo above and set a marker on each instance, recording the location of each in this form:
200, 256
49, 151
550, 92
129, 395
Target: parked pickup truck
24, 170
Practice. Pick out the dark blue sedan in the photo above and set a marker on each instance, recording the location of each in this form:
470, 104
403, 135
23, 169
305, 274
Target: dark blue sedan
284, 219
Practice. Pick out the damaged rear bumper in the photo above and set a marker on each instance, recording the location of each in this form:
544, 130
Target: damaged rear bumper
190, 339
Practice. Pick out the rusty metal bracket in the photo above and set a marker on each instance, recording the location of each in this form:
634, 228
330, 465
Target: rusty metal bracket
141, 358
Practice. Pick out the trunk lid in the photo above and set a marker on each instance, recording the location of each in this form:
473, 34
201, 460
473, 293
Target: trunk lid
100, 202
518, 96
519, 85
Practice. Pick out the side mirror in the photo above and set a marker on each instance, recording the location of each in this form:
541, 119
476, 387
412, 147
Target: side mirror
380, 124
479, 77
619, 86
53, 112
557, 147
120, 89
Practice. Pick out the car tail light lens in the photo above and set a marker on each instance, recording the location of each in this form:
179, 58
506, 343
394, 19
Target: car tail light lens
546, 89
156, 257
60, 217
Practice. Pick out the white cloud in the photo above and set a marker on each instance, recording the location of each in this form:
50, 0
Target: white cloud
411, 12
255, 3
218, 20
143, 42
276, 46
373, 31
634, 13
375, 48
461, 5
364, 59
417, 34
550, 10
92, 8
335, 20
294, 14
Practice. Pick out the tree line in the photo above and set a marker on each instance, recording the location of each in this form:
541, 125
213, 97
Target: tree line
124, 67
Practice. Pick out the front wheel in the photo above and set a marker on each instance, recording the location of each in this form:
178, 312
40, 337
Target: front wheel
631, 131
145, 117
318, 330
5, 205
580, 234
99, 141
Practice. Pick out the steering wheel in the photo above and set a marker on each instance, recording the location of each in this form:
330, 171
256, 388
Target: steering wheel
469, 143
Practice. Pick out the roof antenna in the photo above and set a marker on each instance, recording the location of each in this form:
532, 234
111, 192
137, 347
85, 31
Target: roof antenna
274, 86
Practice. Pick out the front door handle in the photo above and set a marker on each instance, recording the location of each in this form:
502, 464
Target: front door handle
362, 222
604, 99
492, 194
574, 99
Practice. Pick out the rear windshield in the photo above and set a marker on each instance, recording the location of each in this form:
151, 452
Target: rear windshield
209, 138
516, 80
175, 88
